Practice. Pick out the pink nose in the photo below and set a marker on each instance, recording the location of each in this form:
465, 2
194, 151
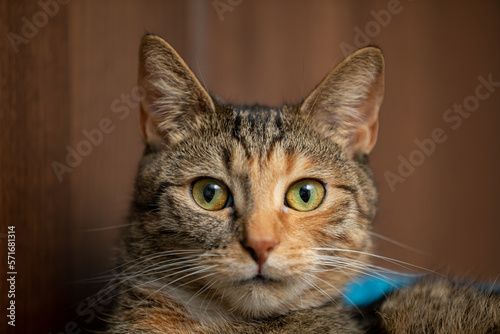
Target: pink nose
260, 249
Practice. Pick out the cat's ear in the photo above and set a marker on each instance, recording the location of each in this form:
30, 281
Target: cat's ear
346, 103
174, 99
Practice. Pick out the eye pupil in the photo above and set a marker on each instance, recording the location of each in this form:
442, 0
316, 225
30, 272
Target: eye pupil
209, 192
305, 195
305, 192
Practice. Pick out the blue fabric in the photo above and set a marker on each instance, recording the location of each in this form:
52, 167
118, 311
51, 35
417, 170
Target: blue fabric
367, 289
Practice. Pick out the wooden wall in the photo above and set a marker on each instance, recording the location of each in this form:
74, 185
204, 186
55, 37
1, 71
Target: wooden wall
35, 122
74, 74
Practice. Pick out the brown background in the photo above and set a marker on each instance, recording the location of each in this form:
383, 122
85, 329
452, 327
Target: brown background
67, 76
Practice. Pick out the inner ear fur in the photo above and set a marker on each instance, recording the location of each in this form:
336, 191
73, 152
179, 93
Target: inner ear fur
347, 101
174, 101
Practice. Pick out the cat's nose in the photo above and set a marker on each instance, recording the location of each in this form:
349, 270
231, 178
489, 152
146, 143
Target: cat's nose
260, 248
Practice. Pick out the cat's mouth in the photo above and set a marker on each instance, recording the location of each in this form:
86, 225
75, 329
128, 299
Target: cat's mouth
258, 279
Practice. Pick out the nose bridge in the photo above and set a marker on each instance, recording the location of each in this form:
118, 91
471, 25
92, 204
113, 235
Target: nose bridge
262, 224
263, 221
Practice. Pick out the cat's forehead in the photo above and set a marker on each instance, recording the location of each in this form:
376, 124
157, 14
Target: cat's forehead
252, 142
259, 128
255, 138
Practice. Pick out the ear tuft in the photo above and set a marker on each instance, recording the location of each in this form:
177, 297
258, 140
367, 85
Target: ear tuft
346, 103
175, 100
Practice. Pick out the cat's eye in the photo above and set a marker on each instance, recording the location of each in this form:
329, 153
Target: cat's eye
210, 194
305, 195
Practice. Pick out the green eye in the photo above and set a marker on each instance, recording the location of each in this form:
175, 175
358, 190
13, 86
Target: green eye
210, 194
305, 195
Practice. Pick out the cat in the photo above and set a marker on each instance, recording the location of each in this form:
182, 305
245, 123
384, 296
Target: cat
252, 219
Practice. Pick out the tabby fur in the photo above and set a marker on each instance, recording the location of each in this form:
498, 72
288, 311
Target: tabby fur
185, 269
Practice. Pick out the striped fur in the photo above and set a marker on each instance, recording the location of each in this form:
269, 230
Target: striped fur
186, 269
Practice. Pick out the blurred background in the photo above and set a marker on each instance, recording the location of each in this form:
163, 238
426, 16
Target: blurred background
68, 72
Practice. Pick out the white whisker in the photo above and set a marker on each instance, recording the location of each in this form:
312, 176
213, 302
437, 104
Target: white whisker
402, 264
203, 269
142, 259
338, 290
200, 291
106, 228
315, 286
397, 243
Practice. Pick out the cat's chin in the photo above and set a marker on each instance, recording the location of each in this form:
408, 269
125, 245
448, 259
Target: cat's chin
263, 296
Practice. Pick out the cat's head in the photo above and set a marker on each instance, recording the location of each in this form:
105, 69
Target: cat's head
252, 210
